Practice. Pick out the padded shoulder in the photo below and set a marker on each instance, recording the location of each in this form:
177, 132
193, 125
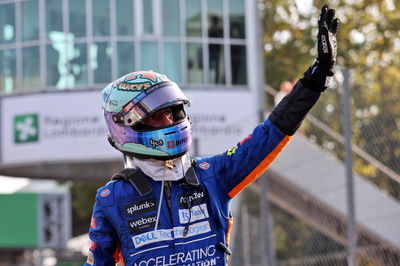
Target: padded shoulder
106, 194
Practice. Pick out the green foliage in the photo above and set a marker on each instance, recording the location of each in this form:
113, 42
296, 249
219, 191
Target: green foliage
368, 45
83, 197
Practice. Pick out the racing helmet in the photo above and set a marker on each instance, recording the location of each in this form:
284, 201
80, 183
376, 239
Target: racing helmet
136, 96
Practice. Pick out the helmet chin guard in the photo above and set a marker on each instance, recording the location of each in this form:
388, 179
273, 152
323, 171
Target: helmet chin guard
124, 109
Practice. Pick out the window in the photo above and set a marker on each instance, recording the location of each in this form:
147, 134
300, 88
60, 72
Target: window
236, 19
7, 70
30, 20
217, 64
126, 58
193, 18
125, 26
215, 19
53, 16
7, 23
172, 61
101, 62
171, 23
238, 64
147, 17
194, 63
54, 54
77, 18
149, 56
30, 67
101, 18
78, 63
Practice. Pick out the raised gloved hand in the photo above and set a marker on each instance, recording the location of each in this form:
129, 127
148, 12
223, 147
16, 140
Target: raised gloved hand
319, 76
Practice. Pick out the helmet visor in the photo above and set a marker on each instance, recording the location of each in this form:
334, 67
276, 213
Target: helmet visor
151, 100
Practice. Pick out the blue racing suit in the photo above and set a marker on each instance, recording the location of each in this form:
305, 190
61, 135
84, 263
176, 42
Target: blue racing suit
194, 221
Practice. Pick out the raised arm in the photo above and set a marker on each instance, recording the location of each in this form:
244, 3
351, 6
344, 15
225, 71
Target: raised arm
241, 165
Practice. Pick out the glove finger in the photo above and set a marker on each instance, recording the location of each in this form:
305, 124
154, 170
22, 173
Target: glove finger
334, 26
329, 17
322, 17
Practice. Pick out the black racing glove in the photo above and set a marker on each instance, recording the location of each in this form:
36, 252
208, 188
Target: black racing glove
319, 76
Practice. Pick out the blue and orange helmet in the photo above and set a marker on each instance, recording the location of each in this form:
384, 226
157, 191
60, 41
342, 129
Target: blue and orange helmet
134, 97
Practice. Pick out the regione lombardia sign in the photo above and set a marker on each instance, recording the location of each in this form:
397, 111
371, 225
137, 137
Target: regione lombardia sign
69, 125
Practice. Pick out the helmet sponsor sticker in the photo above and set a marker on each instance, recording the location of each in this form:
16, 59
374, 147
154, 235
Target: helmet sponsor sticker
170, 234
195, 213
174, 143
105, 192
204, 165
141, 206
93, 222
171, 144
156, 143
144, 222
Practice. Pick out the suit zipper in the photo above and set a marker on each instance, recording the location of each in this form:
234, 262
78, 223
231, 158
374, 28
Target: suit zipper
167, 193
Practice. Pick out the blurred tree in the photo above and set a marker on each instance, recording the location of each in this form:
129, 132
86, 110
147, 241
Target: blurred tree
369, 47
83, 196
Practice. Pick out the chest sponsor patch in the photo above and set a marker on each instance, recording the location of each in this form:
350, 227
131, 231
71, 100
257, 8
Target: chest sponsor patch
196, 197
170, 234
203, 256
141, 223
141, 206
195, 213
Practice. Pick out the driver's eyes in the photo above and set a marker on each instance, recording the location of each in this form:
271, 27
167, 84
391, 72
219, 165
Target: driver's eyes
160, 115
167, 113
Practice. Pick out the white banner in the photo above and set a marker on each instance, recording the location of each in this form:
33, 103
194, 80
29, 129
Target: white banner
69, 125
220, 119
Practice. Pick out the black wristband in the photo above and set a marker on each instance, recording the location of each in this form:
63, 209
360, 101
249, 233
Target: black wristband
291, 111
317, 79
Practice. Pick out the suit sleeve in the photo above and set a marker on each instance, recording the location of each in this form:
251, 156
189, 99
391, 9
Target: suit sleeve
103, 237
291, 111
250, 158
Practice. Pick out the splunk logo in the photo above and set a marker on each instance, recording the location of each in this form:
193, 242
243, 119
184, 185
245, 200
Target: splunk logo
140, 207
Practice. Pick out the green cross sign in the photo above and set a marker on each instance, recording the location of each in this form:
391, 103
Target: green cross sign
26, 128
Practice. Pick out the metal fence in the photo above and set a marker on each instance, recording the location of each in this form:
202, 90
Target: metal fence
286, 227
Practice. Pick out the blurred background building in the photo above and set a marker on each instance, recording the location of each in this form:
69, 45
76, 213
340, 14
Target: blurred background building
56, 56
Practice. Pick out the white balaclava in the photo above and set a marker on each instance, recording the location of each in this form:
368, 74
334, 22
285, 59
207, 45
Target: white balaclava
158, 169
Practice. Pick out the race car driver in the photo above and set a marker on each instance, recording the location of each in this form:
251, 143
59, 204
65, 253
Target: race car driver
165, 208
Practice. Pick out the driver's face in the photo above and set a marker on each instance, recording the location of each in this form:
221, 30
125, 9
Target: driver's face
161, 118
